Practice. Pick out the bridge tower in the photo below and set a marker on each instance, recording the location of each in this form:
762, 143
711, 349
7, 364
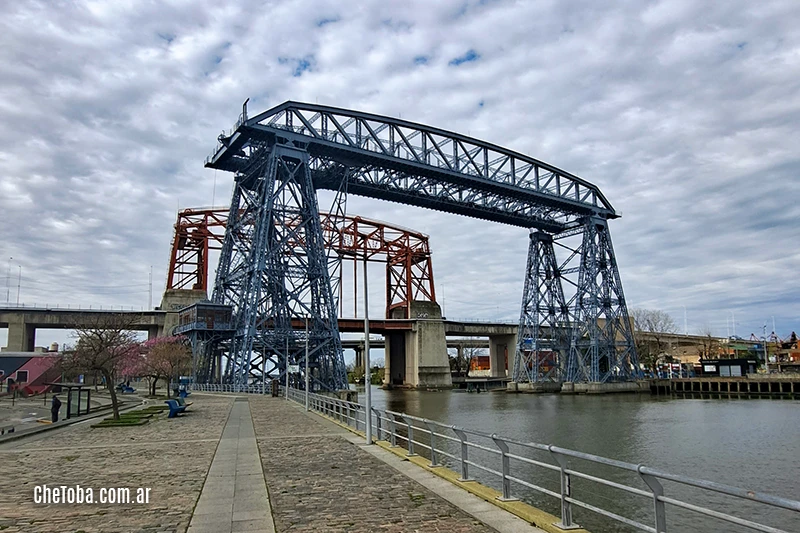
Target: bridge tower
544, 325
585, 335
273, 272
601, 345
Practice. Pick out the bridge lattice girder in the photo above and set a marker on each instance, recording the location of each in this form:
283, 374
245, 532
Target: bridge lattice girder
396, 160
406, 253
402, 161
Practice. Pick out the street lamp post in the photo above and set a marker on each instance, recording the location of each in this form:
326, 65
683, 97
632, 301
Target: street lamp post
766, 356
306, 363
367, 373
287, 369
19, 282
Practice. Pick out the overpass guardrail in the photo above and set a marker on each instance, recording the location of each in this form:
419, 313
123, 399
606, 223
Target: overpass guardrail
519, 469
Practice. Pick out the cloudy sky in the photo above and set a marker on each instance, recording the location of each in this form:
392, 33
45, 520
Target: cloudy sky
685, 113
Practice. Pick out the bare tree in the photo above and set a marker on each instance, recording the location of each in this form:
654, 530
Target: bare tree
105, 345
709, 346
460, 362
168, 358
650, 326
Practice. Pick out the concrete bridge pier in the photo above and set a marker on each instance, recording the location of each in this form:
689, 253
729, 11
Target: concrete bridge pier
21, 335
501, 351
359, 356
418, 358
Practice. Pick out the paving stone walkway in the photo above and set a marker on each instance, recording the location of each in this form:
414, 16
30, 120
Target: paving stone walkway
169, 456
254, 464
234, 496
318, 481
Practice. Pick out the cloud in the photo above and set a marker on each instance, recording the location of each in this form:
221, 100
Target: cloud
685, 114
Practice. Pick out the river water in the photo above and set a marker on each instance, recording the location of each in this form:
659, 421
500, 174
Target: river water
752, 444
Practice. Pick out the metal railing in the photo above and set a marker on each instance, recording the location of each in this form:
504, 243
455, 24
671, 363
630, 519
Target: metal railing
258, 388
505, 461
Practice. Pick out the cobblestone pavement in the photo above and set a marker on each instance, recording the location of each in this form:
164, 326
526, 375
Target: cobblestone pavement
170, 456
318, 481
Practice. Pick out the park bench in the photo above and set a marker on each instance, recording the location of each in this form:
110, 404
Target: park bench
174, 408
182, 401
127, 390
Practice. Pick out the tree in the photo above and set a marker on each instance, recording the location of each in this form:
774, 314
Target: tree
460, 362
105, 345
167, 358
650, 326
709, 346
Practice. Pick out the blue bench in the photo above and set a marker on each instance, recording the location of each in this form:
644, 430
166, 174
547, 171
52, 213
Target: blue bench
174, 408
127, 390
182, 402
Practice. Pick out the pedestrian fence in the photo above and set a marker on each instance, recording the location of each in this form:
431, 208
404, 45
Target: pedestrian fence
256, 388
518, 469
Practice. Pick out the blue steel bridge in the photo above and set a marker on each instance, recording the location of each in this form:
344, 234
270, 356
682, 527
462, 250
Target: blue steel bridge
274, 269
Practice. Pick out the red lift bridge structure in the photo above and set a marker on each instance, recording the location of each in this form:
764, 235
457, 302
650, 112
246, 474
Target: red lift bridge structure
406, 253
276, 267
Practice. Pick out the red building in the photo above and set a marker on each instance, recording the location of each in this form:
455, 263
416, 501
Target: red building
27, 371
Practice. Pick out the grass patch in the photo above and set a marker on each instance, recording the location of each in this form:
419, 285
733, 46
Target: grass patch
417, 498
156, 408
137, 414
122, 422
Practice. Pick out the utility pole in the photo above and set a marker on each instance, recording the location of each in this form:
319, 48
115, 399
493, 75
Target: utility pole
685, 323
19, 282
150, 290
367, 374
8, 280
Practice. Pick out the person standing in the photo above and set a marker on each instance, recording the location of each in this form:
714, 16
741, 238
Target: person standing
54, 408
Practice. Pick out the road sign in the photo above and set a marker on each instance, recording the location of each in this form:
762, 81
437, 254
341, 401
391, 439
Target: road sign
294, 368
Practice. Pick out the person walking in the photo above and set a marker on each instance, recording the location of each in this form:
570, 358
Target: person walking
54, 408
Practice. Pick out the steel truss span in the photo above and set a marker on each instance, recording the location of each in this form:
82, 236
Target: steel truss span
588, 337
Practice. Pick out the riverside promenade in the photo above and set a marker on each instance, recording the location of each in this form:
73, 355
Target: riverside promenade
247, 463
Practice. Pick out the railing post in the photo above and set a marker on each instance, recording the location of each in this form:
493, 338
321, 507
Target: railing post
659, 507
392, 430
566, 492
434, 462
410, 435
464, 454
378, 425
505, 469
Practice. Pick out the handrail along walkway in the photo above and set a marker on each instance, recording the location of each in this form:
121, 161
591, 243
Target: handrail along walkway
400, 427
